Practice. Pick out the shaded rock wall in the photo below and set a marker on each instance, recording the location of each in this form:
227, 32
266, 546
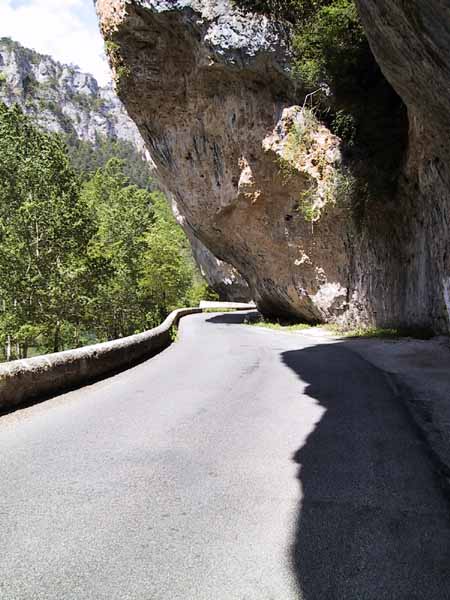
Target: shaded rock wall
411, 42
221, 276
210, 91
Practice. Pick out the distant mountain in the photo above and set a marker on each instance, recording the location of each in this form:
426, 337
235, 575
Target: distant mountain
63, 99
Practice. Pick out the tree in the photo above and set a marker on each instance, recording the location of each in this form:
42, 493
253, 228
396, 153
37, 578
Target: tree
151, 270
87, 158
167, 268
44, 231
80, 262
122, 214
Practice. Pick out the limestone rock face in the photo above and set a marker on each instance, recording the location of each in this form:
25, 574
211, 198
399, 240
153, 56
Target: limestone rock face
263, 185
222, 277
62, 98
411, 42
208, 88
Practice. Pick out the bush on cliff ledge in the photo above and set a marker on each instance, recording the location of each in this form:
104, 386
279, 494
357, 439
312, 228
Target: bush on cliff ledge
330, 46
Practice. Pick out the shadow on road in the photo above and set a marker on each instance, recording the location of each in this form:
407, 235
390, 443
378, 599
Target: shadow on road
234, 318
373, 522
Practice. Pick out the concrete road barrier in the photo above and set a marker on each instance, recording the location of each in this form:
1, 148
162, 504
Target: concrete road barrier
22, 381
206, 304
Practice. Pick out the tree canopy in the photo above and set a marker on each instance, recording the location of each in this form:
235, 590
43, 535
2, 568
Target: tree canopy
80, 261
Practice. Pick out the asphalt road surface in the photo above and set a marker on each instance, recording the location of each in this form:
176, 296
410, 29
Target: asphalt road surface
239, 464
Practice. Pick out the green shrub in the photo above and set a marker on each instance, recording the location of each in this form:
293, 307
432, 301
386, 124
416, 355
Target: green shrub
344, 125
296, 11
201, 291
330, 47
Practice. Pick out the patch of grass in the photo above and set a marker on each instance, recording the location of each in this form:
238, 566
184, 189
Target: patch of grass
417, 333
174, 333
227, 310
280, 326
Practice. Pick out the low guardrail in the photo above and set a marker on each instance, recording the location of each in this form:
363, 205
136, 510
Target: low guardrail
28, 379
22, 381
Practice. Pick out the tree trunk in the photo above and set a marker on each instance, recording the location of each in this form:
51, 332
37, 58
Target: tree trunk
56, 340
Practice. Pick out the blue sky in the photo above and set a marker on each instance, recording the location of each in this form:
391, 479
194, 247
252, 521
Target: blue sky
65, 29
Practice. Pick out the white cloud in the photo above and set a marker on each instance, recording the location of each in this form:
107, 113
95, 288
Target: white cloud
65, 29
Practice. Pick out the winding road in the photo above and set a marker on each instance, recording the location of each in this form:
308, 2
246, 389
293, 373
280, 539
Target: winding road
239, 464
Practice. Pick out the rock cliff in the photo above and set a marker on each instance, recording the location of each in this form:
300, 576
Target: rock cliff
263, 184
62, 98
411, 42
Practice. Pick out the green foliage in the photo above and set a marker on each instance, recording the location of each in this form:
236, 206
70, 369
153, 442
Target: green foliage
329, 41
167, 273
344, 125
297, 11
122, 215
111, 47
30, 85
281, 326
27, 53
88, 102
122, 71
87, 158
44, 230
80, 262
332, 58
330, 183
148, 269
331, 47
418, 333
200, 290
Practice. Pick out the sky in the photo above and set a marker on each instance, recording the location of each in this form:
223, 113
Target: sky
67, 30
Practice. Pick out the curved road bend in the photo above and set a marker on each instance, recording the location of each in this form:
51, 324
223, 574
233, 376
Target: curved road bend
239, 464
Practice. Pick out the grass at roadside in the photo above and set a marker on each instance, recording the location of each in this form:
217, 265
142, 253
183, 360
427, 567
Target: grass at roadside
380, 332
357, 332
226, 310
280, 326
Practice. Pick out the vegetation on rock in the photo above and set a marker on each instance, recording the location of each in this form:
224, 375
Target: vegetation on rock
61, 98
310, 144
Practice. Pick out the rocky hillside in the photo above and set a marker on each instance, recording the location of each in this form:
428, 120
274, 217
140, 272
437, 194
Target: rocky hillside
63, 99
267, 186
60, 97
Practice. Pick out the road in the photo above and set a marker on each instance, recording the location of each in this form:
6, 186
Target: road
239, 464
